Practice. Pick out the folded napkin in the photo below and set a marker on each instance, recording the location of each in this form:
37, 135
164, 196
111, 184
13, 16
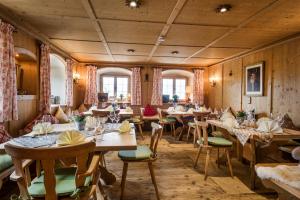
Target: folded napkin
125, 127
202, 109
90, 122
262, 119
170, 109
231, 123
227, 115
128, 109
42, 128
179, 108
190, 110
269, 126
109, 108
70, 138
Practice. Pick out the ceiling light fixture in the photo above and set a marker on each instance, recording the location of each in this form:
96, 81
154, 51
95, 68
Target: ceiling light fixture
223, 8
175, 52
130, 50
133, 3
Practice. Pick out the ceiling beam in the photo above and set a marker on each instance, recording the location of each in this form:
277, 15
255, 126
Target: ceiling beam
9, 16
241, 25
176, 10
90, 11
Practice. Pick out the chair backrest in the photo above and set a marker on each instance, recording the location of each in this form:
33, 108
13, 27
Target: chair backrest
201, 116
201, 130
48, 156
100, 113
156, 135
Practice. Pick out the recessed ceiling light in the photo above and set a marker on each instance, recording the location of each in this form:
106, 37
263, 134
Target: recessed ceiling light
223, 8
175, 52
133, 3
130, 50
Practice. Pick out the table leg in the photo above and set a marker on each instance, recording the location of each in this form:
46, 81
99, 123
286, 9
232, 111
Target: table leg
252, 164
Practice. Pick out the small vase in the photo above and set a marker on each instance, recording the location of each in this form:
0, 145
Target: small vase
80, 125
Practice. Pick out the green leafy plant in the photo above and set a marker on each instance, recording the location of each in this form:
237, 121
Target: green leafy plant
241, 114
79, 118
175, 98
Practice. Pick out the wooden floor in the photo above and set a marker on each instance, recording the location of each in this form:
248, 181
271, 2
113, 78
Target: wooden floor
176, 177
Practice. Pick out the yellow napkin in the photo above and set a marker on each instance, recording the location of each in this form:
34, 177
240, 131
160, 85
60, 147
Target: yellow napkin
125, 127
128, 109
42, 128
190, 110
70, 138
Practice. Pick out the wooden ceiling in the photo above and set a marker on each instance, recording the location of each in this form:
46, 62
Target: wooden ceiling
103, 30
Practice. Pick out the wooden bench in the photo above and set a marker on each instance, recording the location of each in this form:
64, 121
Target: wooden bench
284, 191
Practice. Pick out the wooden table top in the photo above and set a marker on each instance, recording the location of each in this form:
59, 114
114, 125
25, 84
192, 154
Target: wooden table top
111, 141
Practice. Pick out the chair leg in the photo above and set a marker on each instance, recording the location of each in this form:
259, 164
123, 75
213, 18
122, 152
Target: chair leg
141, 131
174, 131
198, 155
124, 174
218, 158
195, 138
229, 162
153, 179
206, 164
162, 130
188, 134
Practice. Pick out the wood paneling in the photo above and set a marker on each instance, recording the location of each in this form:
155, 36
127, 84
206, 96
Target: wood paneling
30, 77
80, 46
91, 57
25, 41
286, 80
27, 110
281, 88
117, 48
232, 85
215, 95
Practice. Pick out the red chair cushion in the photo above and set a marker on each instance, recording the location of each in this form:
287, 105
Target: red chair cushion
149, 111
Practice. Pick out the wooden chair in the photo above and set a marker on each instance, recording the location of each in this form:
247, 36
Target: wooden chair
142, 154
100, 113
138, 122
6, 167
201, 116
148, 118
57, 183
211, 142
164, 121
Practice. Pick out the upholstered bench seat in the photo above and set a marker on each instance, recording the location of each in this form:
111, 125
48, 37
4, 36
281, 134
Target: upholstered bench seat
217, 141
65, 183
142, 152
5, 162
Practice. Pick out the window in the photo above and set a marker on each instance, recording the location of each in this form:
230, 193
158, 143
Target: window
58, 79
115, 86
172, 86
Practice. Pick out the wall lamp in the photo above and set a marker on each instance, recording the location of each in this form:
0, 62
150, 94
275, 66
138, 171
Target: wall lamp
213, 81
76, 78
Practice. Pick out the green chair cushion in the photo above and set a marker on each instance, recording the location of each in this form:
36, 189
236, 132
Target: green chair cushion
167, 120
5, 162
142, 152
65, 183
217, 141
192, 124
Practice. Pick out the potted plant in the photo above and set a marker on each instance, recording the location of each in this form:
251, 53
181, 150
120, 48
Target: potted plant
175, 98
241, 116
80, 121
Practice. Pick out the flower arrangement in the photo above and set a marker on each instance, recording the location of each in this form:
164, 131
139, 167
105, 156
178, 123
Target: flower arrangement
79, 118
175, 98
241, 114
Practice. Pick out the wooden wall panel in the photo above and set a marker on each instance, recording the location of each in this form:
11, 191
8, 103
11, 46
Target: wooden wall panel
232, 84
282, 82
215, 93
30, 77
286, 80
25, 41
261, 104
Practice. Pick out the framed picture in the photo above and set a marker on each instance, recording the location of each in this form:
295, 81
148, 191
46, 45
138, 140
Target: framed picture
254, 79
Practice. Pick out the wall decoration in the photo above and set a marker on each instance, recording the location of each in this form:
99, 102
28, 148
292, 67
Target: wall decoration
254, 75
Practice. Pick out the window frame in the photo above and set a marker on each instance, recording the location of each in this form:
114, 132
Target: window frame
115, 76
174, 83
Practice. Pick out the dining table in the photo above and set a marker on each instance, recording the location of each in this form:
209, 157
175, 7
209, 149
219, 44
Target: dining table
248, 140
123, 112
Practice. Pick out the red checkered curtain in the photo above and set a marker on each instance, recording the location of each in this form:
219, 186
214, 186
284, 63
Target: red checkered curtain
198, 90
91, 97
8, 85
157, 87
136, 87
69, 82
45, 87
